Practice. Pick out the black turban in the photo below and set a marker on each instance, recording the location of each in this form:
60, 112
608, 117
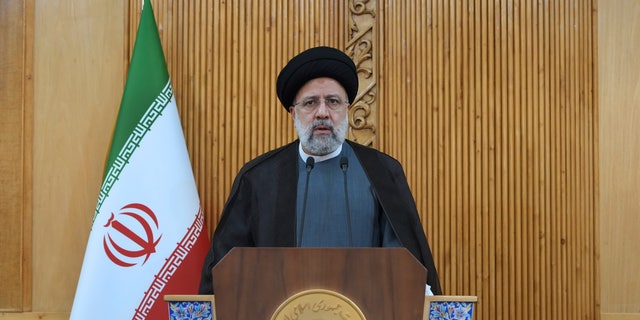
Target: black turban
314, 63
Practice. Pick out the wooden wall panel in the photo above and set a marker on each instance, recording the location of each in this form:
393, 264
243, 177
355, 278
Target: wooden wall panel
78, 81
533, 152
16, 107
489, 105
491, 108
619, 68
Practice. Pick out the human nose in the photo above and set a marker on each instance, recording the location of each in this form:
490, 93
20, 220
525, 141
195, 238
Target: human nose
322, 111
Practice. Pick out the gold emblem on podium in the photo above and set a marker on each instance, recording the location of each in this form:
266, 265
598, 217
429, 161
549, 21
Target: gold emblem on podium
318, 304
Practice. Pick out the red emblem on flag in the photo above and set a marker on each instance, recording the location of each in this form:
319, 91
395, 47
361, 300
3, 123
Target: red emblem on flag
131, 236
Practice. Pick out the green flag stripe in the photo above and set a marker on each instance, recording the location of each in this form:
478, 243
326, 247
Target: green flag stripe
154, 111
147, 75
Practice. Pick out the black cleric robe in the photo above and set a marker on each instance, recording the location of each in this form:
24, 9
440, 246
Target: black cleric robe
261, 208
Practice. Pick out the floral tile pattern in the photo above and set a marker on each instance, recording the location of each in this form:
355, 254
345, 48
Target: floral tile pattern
457, 310
190, 310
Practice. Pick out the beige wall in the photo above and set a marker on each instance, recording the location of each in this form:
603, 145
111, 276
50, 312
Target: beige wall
79, 59
79, 66
619, 68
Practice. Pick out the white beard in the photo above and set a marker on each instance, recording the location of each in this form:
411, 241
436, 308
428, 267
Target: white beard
324, 144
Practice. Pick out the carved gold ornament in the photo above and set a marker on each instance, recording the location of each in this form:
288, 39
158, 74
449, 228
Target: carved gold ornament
318, 304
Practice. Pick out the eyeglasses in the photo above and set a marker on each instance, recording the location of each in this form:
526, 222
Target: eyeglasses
311, 104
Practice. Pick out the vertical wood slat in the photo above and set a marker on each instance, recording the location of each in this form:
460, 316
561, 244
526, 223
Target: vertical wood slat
530, 162
488, 104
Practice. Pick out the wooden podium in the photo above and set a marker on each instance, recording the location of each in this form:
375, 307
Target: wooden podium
319, 283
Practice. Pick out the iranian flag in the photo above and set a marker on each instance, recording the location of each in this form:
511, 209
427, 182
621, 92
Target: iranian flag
148, 236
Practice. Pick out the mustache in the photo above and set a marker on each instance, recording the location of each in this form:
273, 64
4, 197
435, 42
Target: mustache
322, 122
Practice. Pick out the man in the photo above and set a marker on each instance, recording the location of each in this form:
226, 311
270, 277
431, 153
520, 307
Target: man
320, 190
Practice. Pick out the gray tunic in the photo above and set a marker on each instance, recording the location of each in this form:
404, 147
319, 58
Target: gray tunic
331, 221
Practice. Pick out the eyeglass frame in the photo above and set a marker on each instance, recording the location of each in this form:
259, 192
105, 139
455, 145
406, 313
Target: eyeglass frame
318, 101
